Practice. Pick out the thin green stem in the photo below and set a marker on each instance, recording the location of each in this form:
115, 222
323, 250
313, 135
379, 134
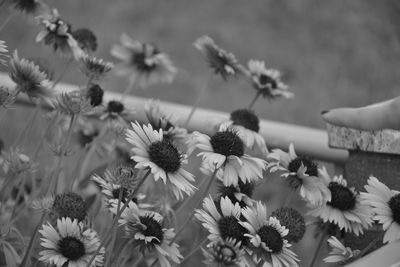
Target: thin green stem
316, 253
193, 251
45, 133
6, 21
128, 89
370, 245
203, 90
189, 218
254, 100
58, 80
114, 235
187, 200
28, 126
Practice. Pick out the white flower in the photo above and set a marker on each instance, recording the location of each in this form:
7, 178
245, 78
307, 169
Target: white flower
339, 253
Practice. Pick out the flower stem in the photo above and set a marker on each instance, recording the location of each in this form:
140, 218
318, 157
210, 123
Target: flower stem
321, 239
117, 216
187, 200
28, 126
39, 146
254, 100
193, 251
26, 260
58, 80
203, 90
370, 245
200, 199
6, 21
129, 88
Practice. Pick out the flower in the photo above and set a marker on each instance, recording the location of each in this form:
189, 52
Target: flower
293, 221
301, 173
74, 103
220, 61
57, 33
69, 205
143, 63
247, 125
267, 82
222, 222
153, 152
148, 233
7, 97
95, 94
28, 77
224, 253
268, 237
345, 208
70, 244
16, 163
167, 122
340, 253
241, 193
27, 6
225, 151
3, 52
115, 111
95, 68
86, 39
385, 205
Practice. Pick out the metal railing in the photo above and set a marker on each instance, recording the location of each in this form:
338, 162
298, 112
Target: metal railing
308, 141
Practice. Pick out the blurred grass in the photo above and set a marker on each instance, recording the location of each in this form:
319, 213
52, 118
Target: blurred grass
332, 53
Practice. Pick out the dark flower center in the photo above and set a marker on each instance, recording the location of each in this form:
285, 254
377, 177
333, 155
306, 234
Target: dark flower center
227, 143
86, 39
271, 237
229, 227
342, 197
124, 192
394, 204
95, 95
266, 80
139, 59
292, 220
246, 118
312, 166
152, 228
165, 155
70, 205
115, 107
229, 191
71, 248
26, 5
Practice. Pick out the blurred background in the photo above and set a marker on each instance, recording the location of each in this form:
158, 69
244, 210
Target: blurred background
331, 53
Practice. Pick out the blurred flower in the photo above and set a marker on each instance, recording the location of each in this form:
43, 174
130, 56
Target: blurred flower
225, 151
267, 82
167, 122
44, 66
73, 103
247, 125
227, 253
293, 221
43, 204
268, 237
115, 111
15, 162
220, 61
152, 151
340, 253
301, 173
222, 220
95, 94
28, 77
241, 193
95, 68
27, 6
57, 34
86, 39
385, 205
70, 244
86, 133
3, 52
7, 97
69, 205
345, 208
143, 63
148, 233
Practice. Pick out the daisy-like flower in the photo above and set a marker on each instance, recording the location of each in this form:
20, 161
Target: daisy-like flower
153, 152
222, 222
293, 221
148, 233
268, 237
220, 61
86, 39
73, 103
241, 193
115, 111
246, 123
225, 151
28, 77
301, 173
226, 253
7, 97
385, 205
3, 52
70, 244
167, 122
57, 33
143, 63
267, 82
345, 208
95, 69
340, 253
